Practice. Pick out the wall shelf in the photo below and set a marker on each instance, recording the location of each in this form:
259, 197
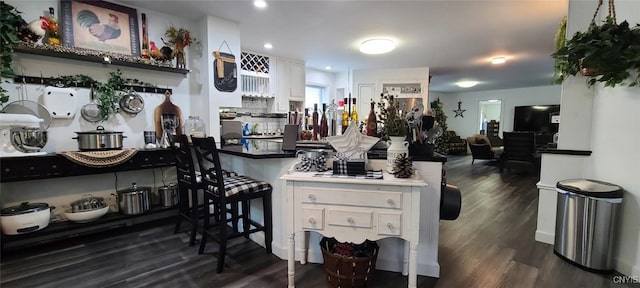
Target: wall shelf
95, 59
19, 79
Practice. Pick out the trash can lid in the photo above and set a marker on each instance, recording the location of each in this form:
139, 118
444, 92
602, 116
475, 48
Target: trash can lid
591, 188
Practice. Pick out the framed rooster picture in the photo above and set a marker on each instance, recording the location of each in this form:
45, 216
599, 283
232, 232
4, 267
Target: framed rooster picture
101, 26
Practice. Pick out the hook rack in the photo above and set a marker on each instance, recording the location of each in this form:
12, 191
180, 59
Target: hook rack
21, 79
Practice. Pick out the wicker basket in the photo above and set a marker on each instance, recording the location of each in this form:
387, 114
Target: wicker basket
346, 272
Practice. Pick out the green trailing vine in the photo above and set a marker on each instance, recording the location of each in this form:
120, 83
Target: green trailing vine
10, 24
608, 53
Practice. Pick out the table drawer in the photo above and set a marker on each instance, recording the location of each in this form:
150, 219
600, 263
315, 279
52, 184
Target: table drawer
380, 199
350, 218
313, 218
390, 224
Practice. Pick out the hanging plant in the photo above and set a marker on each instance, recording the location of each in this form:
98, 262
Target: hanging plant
606, 53
10, 24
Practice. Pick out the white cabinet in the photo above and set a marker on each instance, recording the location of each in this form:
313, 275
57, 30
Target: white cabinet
297, 80
290, 82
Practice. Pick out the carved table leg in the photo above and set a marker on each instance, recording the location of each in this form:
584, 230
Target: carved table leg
413, 263
291, 261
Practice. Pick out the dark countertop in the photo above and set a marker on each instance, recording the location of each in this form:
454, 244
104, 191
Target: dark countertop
257, 149
564, 152
269, 149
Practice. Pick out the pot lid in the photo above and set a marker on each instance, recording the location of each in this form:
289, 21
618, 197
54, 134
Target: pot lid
99, 130
134, 188
24, 208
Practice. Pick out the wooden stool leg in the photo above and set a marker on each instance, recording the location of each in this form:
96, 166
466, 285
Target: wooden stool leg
223, 241
194, 217
246, 225
205, 226
268, 221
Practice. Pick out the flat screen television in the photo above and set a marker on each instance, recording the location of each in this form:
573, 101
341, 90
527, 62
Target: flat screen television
536, 118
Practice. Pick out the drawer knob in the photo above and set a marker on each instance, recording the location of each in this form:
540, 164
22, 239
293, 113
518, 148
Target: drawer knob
312, 197
390, 226
312, 221
350, 220
391, 202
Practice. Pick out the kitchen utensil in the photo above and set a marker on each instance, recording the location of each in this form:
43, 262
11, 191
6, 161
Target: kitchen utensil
134, 200
31, 108
86, 216
61, 102
167, 108
99, 139
25, 218
18, 142
131, 103
168, 195
27, 140
91, 111
87, 203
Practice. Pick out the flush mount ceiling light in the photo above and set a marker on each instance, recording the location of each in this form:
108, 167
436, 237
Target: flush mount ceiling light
268, 46
377, 46
260, 3
498, 60
467, 84
327, 68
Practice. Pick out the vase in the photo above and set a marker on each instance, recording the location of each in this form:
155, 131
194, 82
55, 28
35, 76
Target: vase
397, 147
180, 61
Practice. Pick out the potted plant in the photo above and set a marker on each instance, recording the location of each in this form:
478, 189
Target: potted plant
10, 26
395, 129
606, 53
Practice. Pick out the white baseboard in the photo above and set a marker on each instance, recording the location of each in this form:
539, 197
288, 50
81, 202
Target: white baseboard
545, 237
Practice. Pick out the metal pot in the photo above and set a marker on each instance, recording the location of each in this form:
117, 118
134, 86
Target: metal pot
168, 195
25, 218
99, 139
134, 200
131, 103
28, 139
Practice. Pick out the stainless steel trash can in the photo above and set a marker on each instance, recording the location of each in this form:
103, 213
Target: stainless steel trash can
586, 221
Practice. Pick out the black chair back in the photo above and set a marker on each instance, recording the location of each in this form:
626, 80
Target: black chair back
185, 167
519, 146
209, 163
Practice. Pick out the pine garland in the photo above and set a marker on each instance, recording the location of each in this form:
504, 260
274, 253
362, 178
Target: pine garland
442, 143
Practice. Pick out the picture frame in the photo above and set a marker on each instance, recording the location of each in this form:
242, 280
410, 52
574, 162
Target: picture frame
101, 26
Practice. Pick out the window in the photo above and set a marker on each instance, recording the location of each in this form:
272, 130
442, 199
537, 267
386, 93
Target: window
315, 94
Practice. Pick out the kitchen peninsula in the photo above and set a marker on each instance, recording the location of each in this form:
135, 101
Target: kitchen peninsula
270, 163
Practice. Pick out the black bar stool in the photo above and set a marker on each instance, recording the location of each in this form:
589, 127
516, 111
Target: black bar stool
222, 189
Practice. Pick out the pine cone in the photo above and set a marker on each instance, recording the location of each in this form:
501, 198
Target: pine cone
403, 166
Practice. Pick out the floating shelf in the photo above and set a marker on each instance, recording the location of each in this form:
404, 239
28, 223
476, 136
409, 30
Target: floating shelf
48, 81
96, 59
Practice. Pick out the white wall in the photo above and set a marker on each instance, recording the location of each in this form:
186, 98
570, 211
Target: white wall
322, 78
380, 76
188, 93
468, 125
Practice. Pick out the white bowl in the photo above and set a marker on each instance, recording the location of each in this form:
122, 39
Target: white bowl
88, 216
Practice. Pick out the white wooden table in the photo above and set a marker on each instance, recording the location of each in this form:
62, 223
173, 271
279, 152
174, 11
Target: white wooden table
352, 210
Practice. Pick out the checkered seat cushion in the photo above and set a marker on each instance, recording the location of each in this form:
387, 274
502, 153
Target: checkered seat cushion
199, 175
241, 184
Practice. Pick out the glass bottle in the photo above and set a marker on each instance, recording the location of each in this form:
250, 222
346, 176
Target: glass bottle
372, 123
354, 113
145, 38
52, 36
345, 115
194, 127
324, 125
316, 127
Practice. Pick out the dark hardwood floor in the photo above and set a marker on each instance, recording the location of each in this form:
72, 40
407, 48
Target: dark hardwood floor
491, 244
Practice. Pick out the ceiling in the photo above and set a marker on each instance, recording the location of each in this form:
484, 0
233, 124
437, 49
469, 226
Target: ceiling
456, 39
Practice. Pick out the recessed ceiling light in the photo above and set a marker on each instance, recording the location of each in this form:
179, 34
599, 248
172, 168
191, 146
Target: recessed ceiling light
467, 84
260, 3
268, 46
328, 67
498, 60
377, 46
493, 101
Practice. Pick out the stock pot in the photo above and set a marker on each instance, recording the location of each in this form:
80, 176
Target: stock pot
134, 200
